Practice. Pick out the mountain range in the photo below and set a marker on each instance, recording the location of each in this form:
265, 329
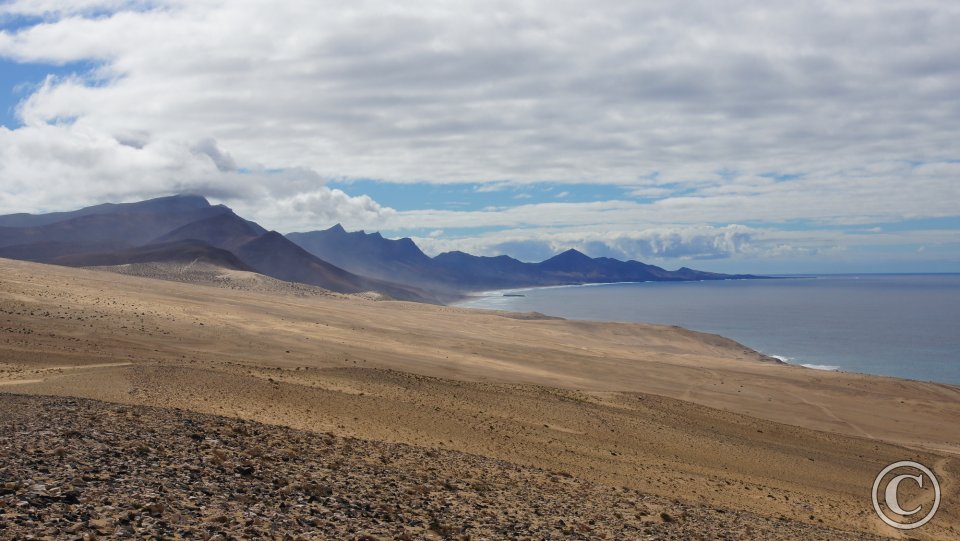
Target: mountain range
401, 260
187, 228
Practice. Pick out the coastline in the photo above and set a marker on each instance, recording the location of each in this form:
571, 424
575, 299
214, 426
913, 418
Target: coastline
777, 328
479, 294
618, 404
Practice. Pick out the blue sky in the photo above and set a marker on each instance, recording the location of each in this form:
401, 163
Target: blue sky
480, 195
733, 137
14, 78
19, 80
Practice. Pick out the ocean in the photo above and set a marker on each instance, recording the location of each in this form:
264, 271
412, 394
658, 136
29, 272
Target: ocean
906, 326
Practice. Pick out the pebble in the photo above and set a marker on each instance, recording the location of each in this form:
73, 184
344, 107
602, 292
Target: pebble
85, 470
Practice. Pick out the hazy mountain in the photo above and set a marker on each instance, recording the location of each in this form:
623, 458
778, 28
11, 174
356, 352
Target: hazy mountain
394, 260
472, 272
275, 255
573, 264
177, 229
188, 228
402, 261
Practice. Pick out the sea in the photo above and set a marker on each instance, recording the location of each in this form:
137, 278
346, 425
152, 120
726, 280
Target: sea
902, 325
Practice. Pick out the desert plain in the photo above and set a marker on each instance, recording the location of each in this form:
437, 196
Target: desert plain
378, 419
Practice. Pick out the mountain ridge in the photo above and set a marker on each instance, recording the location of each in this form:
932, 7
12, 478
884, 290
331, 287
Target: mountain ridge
178, 229
186, 227
366, 253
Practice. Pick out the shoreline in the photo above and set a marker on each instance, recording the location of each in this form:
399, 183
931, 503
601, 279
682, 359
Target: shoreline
500, 300
492, 292
620, 404
469, 295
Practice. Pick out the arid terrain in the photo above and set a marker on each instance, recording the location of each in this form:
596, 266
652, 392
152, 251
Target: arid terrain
137, 472
573, 421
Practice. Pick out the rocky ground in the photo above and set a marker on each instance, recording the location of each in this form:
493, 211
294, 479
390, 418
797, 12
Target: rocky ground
81, 469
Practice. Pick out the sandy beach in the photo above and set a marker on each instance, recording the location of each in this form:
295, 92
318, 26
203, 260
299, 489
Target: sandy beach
662, 411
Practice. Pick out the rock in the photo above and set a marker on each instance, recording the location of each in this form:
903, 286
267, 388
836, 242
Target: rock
156, 509
299, 485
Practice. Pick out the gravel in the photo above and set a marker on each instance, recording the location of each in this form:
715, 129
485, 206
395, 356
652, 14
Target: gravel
80, 469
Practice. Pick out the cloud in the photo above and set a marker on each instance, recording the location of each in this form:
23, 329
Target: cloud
324, 207
708, 114
673, 245
63, 167
489, 187
682, 243
73, 7
651, 192
887, 194
224, 161
469, 90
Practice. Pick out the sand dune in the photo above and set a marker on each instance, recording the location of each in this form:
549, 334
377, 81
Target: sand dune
663, 410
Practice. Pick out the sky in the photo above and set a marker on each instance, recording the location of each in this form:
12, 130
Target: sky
729, 135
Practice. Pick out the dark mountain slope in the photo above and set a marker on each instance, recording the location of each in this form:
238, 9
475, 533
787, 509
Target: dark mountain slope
176, 229
187, 251
372, 255
402, 261
225, 230
129, 225
574, 265
47, 251
185, 228
174, 203
275, 255
569, 261
473, 272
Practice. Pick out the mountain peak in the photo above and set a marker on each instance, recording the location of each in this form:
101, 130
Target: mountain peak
189, 197
571, 255
175, 202
332, 258
569, 261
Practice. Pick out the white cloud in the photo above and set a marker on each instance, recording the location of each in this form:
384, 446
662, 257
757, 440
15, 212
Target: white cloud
73, 7
47, 168
470, 90
697, 107
679, 243
651, 192
888, 194
324, 207
674, 245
